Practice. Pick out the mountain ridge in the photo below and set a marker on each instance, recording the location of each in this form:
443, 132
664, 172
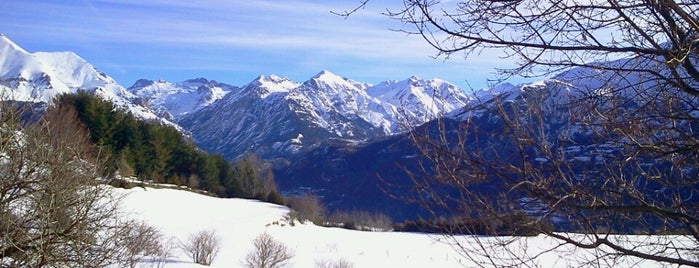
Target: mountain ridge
325, 107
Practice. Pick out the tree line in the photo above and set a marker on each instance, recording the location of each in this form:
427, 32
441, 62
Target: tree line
162, 154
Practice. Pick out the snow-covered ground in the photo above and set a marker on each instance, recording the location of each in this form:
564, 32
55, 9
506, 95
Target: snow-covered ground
237, 221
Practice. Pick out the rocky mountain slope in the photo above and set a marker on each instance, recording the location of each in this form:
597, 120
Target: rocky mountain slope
274, 116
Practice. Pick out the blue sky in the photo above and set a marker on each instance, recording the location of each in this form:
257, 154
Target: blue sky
234, 41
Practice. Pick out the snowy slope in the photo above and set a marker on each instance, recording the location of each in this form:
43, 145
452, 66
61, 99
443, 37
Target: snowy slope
40, 76
178, 214
173, 100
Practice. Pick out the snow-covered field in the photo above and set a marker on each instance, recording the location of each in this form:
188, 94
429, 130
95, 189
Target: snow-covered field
237, 221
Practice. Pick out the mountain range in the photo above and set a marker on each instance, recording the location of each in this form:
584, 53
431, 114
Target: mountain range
272, 116
275, 117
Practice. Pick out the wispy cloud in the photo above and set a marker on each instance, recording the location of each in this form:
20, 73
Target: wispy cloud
301, 31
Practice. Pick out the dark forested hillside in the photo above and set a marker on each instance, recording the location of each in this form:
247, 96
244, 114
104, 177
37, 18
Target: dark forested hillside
151, 151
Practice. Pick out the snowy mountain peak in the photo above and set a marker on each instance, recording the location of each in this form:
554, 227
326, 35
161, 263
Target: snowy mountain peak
327, 79
438, 81
325, 72
419, 99
41, 76
267, 79
326, 75
269, 113
266, 85
151, 87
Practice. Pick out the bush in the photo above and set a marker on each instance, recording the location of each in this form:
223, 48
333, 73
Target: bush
142, 240
307, 207
361, 220
268, 253
341, 263
202, 246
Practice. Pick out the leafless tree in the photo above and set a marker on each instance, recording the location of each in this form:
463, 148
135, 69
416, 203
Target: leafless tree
54, 209
202, 246
341, 263
541, 37
268, 253
607, 147
143, 244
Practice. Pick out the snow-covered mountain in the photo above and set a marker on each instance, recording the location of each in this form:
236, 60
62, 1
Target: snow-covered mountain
271, 115
173, 100
276, 116
341, 107
247, 119
41, 76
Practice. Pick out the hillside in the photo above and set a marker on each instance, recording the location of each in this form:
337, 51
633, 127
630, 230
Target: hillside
239, 221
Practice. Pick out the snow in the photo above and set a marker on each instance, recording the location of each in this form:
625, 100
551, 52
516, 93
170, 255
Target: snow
238, 221
297, 140
178, 99
179, 213
77, 72
420, 100
269, 85
328, 79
